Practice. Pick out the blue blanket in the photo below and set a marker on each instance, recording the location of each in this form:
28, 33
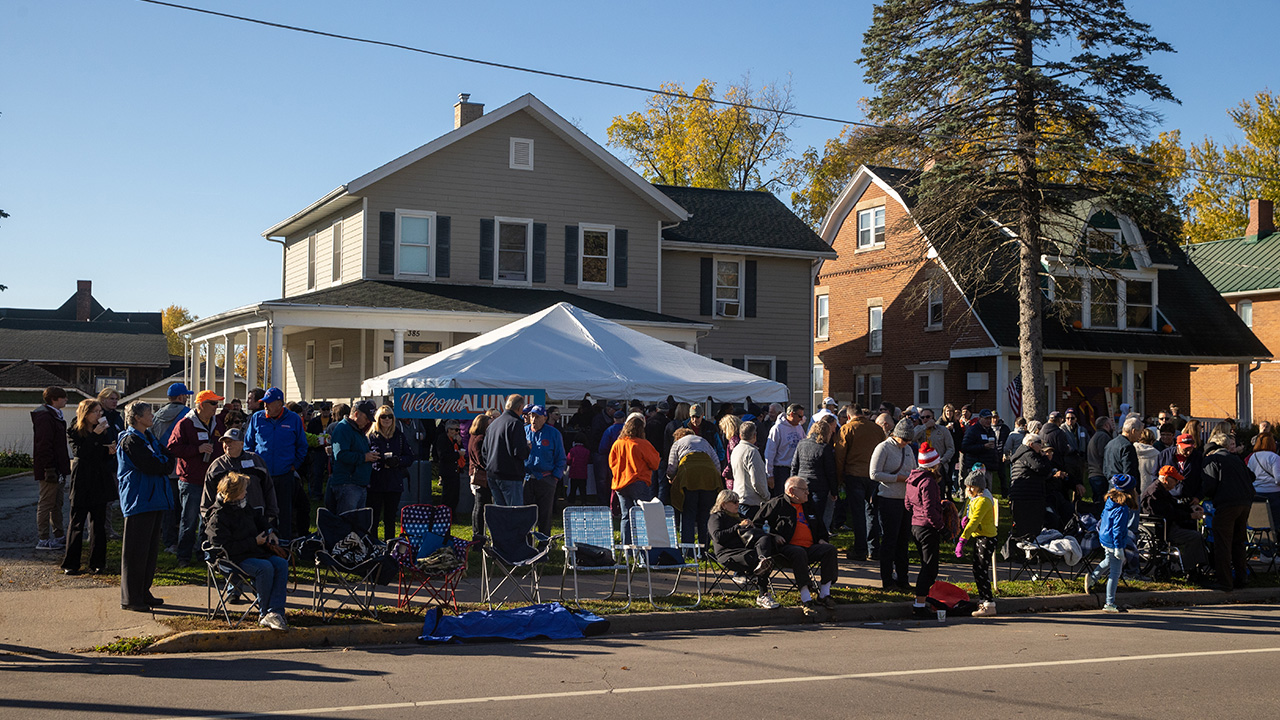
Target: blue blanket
548, 621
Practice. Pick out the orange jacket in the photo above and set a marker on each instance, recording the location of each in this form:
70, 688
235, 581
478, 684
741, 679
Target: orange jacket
632, 459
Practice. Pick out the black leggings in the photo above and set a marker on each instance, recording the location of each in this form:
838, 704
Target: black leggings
386, 506
927, 542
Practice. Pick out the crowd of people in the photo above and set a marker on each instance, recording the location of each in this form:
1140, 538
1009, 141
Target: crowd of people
757, 486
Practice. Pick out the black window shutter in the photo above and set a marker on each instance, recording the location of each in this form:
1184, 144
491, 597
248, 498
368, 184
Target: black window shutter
707, 289
387, 243
443, 231
620, 258
539, 252
486, 248
570, 254
749, 290
739, 363
780, 371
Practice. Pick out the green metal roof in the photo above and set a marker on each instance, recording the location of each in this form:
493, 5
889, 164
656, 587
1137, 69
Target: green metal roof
1242, 264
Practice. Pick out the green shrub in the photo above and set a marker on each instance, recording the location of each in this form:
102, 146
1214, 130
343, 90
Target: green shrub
14, 459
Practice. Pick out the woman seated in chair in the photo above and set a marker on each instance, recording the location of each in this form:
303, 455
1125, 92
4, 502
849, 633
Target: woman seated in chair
245, 536
741, 547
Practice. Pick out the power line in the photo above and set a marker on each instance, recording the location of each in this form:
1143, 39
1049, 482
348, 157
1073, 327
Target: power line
655, 91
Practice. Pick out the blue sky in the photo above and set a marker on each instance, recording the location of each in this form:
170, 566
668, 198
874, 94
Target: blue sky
146, 148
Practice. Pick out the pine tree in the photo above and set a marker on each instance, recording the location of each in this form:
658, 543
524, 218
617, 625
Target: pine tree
1011, 99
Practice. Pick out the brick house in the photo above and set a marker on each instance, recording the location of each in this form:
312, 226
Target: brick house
509, 213
893, 324
1246, 271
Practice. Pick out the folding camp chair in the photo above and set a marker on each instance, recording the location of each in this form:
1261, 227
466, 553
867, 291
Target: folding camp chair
515, 549
428, 528
1035, 560
348, 562
592, 525
222, 576
737, 579
1260, 534
663, 552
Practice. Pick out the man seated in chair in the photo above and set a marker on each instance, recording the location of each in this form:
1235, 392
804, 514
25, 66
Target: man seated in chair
740, 546
1180, 519
802, 539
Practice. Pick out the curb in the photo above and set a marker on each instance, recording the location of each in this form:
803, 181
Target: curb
403, 633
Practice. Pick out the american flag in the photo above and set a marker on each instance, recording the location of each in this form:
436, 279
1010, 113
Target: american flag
1015, 395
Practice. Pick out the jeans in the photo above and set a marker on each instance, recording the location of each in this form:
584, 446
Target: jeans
506, 491
346, 497
855, 494
780, 475
189, 518
169, 521
284, 501
895, 532
1113, 562
694, 516
926, 538
629, 497
270, 580
1098, 488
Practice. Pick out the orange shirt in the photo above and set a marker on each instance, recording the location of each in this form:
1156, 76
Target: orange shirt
631, 460
803, 537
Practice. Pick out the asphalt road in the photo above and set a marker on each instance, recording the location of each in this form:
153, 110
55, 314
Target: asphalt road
1198, 662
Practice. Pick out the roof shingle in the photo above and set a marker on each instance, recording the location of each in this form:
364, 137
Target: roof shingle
748, 218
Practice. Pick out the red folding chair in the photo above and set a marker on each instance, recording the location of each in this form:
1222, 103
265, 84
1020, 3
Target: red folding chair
428, 528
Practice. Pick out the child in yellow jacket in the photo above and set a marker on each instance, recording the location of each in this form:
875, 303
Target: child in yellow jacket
981, 528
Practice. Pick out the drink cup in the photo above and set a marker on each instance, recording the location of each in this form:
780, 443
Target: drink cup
942, 616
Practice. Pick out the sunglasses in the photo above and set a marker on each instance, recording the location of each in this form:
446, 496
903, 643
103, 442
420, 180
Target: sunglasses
926, 417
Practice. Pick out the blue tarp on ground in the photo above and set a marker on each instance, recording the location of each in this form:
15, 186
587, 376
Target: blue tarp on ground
548, 621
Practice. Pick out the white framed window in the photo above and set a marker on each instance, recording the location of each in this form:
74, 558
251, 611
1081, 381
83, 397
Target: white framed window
335, 354
595, 256
729, 287
335, 272
875, 330
1107, 303
311, 260
309, 370
760, 365
870, 228
521, 154
1244, 309
873, 396
860, 389
513, 251
929, 388
1103, 240
934, 318
922, 389
818, 380
415, 236
823, 315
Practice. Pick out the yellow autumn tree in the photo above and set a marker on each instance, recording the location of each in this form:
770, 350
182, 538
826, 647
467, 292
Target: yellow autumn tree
1217, 204
172, 317
683, 138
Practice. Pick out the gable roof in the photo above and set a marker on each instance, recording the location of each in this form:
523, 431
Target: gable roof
83, 344
1238, 265
745, 218
342, 196
1204, 324
65, 316
468, 298
24, 375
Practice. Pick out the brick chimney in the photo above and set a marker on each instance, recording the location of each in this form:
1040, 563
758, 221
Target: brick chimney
84, 299
464, 111
1262, 218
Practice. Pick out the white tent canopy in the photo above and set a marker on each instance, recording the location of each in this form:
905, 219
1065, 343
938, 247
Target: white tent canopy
569, 352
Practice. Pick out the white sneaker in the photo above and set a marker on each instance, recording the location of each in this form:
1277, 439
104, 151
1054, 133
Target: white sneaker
767, 602
986, 609
275, 621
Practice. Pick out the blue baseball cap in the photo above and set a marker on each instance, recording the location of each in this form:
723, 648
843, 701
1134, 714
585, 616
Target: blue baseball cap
178, 390
536, 410
273, 395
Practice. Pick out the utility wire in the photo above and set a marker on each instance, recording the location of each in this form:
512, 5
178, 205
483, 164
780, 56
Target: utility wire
655, 91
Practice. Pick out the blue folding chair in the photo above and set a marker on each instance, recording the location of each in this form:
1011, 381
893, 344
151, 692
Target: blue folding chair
588, 535
675, 557
515, 549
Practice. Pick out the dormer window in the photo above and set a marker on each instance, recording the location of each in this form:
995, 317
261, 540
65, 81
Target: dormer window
1107, 303
1102, 234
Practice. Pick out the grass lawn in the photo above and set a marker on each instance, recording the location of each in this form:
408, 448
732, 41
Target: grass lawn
7, 471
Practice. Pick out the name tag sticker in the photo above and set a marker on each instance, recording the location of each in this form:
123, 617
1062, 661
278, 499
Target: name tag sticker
202, 436
246, 463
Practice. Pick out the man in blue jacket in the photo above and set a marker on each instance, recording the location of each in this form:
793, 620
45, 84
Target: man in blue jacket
279, 437
544, 467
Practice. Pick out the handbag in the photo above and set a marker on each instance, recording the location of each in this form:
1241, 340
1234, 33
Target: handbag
277, 550
586, 555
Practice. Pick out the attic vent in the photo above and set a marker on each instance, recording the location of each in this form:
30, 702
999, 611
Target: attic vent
521, 154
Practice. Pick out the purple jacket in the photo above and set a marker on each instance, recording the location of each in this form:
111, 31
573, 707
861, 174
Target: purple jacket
924, 499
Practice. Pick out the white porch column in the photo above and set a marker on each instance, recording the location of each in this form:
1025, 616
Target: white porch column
277, 355
228, 366
186, 362
1127, 386
397, 349
1002, 387
251, 356
210, 376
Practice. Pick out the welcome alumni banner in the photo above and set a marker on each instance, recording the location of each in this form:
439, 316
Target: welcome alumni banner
456, 403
